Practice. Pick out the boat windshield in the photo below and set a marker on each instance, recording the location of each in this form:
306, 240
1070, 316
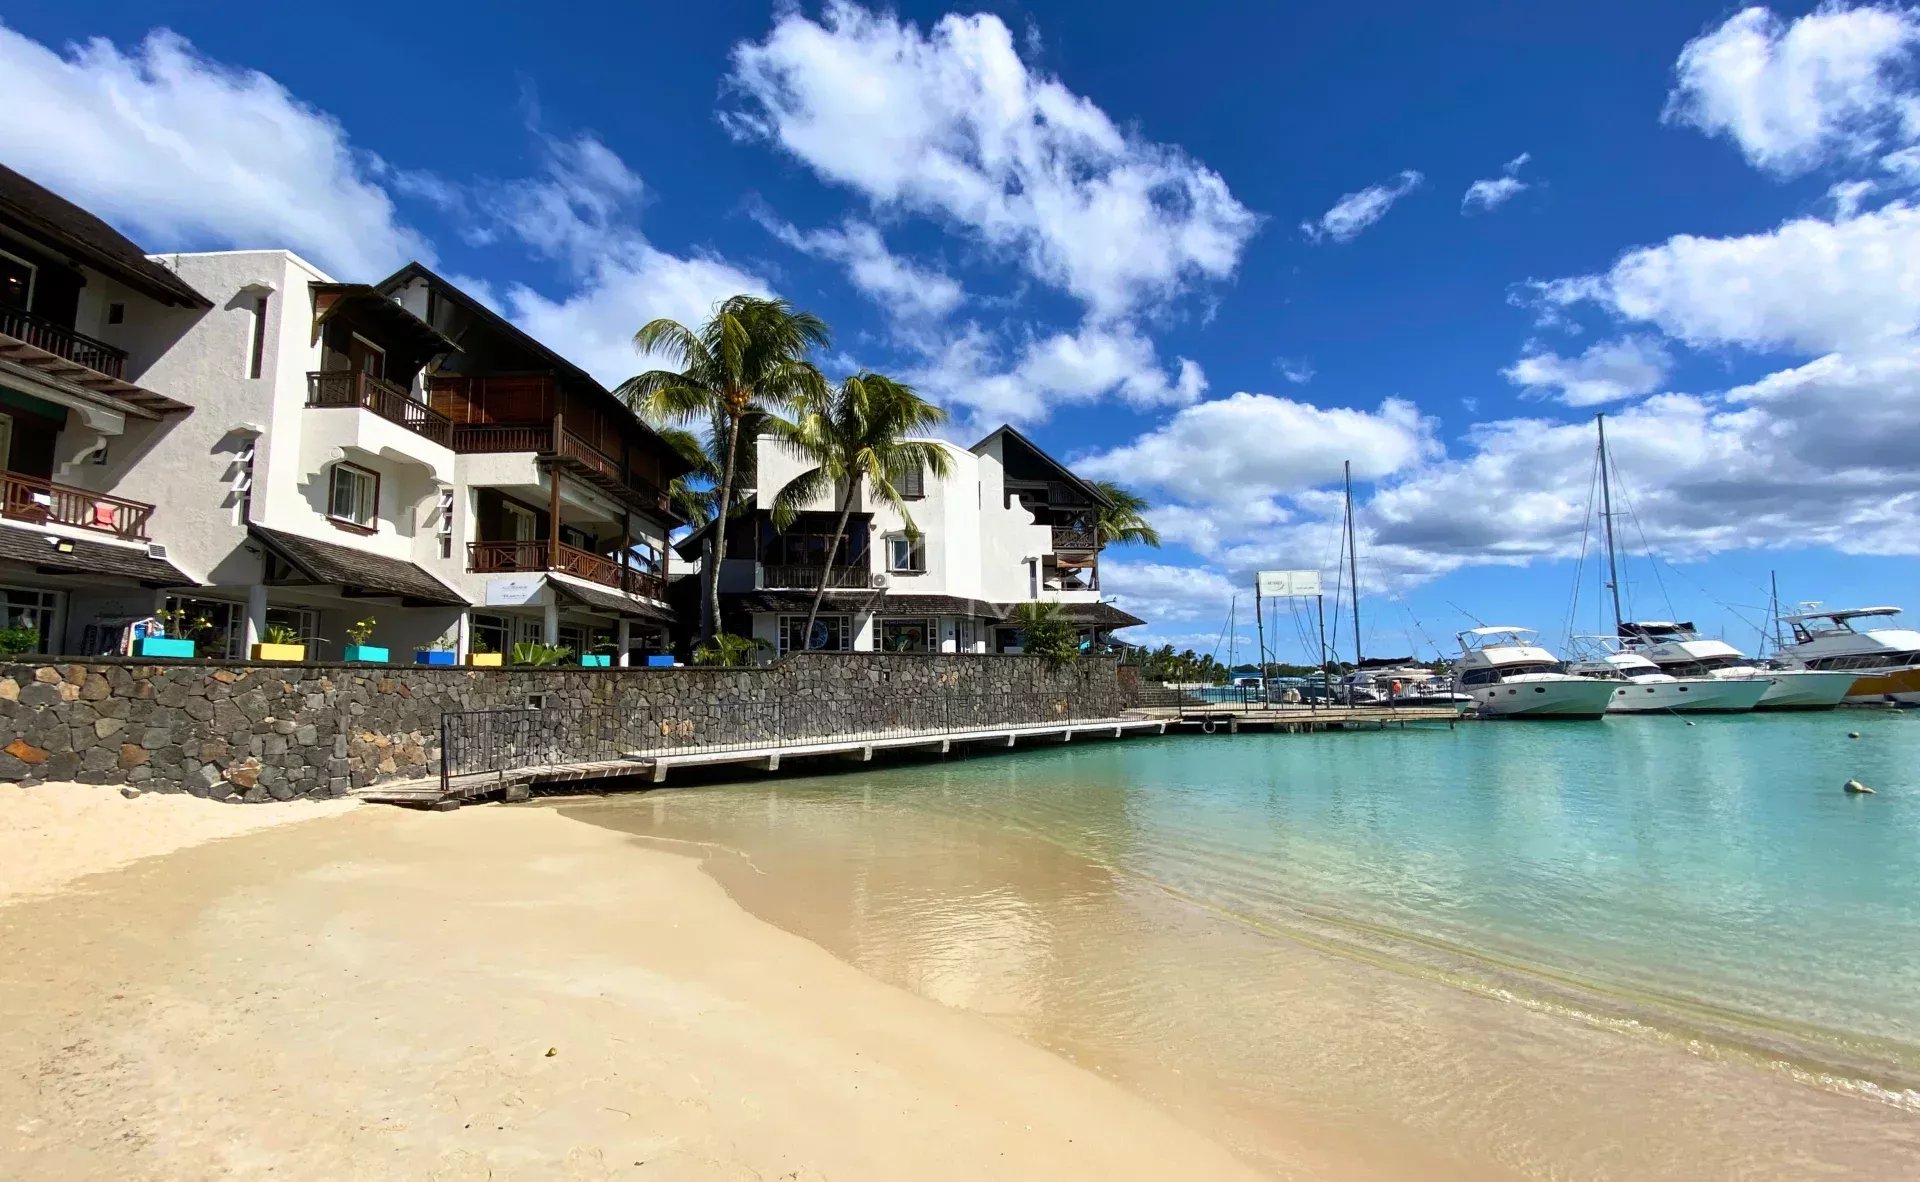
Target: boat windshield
1704, 665
1520, 667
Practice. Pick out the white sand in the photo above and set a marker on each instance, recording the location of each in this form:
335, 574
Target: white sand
52, 834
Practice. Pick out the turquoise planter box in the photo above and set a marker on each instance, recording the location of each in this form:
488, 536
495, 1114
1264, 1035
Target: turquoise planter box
166, 646
597, 660
366, 654
436, 656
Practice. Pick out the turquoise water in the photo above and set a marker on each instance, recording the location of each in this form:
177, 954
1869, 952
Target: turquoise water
1668, 950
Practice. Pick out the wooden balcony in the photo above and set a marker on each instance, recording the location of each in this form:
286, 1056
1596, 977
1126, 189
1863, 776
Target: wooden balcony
76, 347
1071, 538
334, 388
788, 577
29, 498
494, 558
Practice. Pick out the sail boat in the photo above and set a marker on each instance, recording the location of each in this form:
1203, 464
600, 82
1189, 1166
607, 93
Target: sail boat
1644, 687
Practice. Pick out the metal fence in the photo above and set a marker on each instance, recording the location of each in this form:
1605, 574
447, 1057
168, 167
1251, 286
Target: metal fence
491, 742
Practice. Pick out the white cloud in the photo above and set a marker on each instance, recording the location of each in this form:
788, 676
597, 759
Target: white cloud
950, 122
1830, 86
1253, 445
186, 152
1356, 211
901, 287
988, 384
1492, 192
1297, 370
1607, 372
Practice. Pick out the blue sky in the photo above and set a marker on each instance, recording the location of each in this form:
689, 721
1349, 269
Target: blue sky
1211, 257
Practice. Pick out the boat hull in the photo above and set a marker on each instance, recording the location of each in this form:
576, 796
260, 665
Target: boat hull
1575, 699
1901, 686
1689, 695
1806, 689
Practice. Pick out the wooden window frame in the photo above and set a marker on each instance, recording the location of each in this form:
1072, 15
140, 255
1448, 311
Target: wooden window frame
347, 523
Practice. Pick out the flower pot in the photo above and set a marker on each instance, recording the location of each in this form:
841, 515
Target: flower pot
596, 660
279, 652
367, 654
486, 660
435, 656
166, 646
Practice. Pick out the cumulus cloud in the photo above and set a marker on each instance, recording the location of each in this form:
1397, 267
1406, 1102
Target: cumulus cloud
1829, 86
988, 383
1251, 445
1607, 372
1492, 192
186, 152
1356, 211
950, 122
899, 286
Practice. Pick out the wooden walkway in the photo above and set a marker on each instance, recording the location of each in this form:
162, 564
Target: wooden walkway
1233, 718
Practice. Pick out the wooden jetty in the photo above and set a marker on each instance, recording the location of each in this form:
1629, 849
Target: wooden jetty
1234, 717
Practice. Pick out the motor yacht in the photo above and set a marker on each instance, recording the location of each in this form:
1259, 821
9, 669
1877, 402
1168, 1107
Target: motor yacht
1510, 676
1642, 687
1678, 649
1885, 662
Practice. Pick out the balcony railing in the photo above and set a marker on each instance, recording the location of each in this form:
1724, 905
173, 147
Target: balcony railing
29, 498
1069, 537
785, 577
76, 347
482, 439
553, 439
392, 403
492, 558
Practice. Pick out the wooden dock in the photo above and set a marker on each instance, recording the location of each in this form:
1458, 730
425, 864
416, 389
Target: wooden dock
1233, 718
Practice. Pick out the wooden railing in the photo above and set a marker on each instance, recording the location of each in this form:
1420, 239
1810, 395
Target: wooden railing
1068, 537
478, 438
488, 558
29, 498
76, 347
351, 388
790, 577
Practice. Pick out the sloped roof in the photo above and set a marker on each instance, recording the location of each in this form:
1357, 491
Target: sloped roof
88, 558
1066, 474
1099, 615
609, 601
47, 215
356, 570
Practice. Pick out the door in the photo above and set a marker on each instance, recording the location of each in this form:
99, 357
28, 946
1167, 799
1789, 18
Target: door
363, 356
519, 522
6, 442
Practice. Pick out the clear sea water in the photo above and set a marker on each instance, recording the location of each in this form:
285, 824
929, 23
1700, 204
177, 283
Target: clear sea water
1618, 949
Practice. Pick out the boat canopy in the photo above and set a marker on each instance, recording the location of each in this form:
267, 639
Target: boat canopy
1496, 630
1652, 628
1840, 615
1385, 662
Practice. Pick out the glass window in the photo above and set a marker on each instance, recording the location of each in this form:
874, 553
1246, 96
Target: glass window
488, 634
224, 631
829, 634
907, 554
354, 496
913, 483
520, 522
304, 621
908, 636
16, 282
22, 607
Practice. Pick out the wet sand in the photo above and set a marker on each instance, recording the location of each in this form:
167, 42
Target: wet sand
503, 993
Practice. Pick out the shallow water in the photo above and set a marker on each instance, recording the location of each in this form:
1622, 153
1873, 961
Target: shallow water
1624, 949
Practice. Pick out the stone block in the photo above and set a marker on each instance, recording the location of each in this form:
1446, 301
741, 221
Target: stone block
46, 675
132, 755
9, 690
306, 735
106, 728
26, 752
94, 688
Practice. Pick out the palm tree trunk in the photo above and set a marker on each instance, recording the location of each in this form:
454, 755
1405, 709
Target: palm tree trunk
711, 624
839, 531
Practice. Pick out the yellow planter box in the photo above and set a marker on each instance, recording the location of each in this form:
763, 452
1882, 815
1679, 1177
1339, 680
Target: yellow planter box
279, 652
486, 660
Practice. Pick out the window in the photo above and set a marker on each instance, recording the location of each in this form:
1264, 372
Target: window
907, 554
6, 441
224, 635
304, 621
257, 350
913, 483
446, 523
116, 313
243, 481
833, 634
16, 282
908, 636
488, 634
520, 522
354, 498
23, 607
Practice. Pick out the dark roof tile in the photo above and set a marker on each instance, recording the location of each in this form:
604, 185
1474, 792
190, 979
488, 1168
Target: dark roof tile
42, 212
357, 570
88, 558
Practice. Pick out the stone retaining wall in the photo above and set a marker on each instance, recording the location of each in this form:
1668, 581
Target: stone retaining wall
274, 732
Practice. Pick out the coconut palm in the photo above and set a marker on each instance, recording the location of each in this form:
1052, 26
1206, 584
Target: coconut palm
1124, 521
749, 358
858, 433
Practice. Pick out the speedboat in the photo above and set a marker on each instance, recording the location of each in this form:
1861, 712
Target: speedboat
1510, 676
1641, 687
1400, 682
1885, 662
1678, 649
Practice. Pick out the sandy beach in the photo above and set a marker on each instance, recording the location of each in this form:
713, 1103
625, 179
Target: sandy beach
494, 993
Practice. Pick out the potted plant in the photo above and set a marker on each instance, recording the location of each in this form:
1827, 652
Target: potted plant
19, 639
358, 633
482, 656
176, 639
529, 652
280, 643
440, 652
601, 657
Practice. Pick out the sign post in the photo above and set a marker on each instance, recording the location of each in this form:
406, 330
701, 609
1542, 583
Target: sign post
1288, 584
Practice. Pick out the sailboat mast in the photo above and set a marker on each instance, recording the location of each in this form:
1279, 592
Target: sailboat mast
1773, 611
1606, 515
1353, 565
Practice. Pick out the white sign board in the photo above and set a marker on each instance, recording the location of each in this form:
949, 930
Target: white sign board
512, 592
1288, 584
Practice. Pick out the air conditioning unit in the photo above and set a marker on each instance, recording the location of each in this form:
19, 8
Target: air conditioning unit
879, 582
156, 550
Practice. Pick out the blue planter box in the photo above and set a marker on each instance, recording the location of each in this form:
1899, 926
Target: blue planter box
659, 661
166, 646
367, 654
597, 660
435, 656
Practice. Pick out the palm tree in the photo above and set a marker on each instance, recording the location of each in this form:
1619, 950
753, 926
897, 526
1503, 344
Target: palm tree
1125, 521
748, 358
858, 433
697, 493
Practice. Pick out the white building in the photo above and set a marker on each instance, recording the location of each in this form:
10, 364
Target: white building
1008, 524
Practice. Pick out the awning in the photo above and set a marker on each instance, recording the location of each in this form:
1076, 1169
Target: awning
609, 600
59, 554
69, 382
355, 572
1097, 615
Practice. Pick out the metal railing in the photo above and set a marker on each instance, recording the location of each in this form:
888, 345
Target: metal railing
490, 558
491, 742
796, 577
29, 498
335, 388
76, 347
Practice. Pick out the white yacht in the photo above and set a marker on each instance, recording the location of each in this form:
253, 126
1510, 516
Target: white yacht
1885, 662
1399, 681
1678, 649
1510, 676
1641, 687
